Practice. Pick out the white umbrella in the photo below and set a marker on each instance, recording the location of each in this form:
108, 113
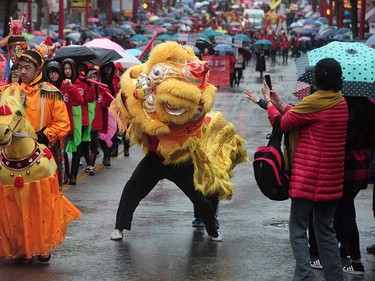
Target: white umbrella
185, 27
127, 60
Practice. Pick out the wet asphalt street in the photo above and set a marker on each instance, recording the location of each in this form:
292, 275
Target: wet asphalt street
162, 244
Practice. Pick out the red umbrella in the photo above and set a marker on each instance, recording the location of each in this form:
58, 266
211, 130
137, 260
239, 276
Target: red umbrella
160, 30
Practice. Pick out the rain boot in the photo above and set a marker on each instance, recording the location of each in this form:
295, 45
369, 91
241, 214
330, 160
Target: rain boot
67, 168
75, 168
126, 147
114, 148
107, 153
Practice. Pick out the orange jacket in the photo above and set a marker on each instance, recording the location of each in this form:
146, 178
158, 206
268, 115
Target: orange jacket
54, 117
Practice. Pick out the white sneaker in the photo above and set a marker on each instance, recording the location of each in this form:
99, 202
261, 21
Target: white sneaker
92, 171
219, 237
116, 234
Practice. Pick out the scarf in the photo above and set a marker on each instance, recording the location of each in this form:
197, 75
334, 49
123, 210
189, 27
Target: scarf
318, 101
32, 87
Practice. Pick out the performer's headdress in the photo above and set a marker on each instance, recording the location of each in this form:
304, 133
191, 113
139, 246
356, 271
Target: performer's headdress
15, 37
41, 52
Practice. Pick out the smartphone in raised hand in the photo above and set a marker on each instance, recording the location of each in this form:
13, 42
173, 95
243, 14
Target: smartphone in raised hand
268, 81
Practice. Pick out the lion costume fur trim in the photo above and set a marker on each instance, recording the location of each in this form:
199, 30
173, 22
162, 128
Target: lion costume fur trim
214, 155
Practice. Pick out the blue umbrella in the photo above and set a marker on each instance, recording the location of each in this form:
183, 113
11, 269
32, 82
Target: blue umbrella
134, 52
126, 26
308, 31
357, 62
204, 36
263, 43
242, 37
37, 40
371, 41
310, 21
344, 31
211, 33
164, 37
139, 37
223, 48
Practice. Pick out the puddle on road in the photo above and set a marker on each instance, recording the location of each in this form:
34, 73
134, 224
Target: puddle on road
278, 224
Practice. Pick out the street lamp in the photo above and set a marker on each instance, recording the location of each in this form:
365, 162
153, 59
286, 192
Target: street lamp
145, 5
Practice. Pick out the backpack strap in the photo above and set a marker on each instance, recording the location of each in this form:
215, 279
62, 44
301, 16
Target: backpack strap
276, 125
275, 137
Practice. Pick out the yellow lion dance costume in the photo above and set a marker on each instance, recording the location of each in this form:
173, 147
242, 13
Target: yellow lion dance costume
170, 97
165, 106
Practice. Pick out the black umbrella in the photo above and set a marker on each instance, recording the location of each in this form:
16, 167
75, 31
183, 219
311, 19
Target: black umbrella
104, 56
202, 44
77, 53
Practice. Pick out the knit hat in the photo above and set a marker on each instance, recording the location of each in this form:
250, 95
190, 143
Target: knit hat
327, 66
90, 72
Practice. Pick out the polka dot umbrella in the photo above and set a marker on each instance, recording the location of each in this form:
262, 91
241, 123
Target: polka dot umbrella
357, 62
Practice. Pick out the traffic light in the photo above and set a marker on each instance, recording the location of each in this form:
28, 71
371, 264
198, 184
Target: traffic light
145, 5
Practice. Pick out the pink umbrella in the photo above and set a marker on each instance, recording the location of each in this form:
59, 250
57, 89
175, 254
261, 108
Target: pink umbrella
308, 26
304, 38
105, 43
93, 20
130, 23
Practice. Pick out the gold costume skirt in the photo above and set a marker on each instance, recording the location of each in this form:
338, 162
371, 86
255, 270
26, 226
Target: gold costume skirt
33, 218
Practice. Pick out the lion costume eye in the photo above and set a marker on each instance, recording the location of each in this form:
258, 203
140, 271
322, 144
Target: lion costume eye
158, 73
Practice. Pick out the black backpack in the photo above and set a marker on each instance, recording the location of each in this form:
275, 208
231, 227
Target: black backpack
269, 167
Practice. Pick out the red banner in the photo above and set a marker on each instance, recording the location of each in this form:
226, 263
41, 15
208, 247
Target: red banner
219, 70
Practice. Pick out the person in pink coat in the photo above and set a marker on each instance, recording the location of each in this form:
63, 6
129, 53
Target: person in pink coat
103, 99
317, 132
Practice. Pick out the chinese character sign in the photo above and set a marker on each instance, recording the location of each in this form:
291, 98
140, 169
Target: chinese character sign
219, 70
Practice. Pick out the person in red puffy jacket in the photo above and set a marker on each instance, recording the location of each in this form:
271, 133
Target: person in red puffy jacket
317, 130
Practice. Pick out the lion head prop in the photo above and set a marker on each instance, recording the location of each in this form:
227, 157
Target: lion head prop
170, 88
170, 98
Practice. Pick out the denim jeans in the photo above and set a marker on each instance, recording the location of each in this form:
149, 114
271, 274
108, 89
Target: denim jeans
323, 213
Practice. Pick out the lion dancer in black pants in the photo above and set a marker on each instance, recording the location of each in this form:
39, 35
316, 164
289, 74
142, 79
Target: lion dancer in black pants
165, 107
144, 178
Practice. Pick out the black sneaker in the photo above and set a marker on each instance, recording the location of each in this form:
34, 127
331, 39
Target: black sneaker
197, 223
315, 263
354, 268
106, 161
42, 259
371, 249
23, 260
